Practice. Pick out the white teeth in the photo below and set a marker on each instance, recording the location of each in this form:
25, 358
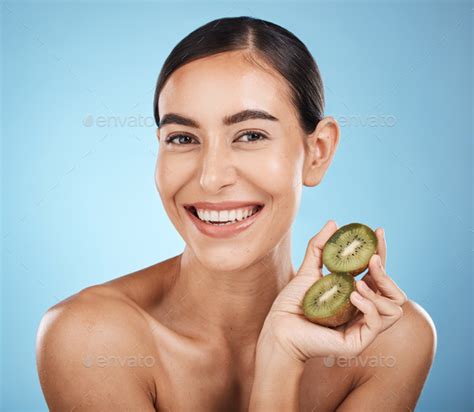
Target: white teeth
215, 216
224, 216
239, 215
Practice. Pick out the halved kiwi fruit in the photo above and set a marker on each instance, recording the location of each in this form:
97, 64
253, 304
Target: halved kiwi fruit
349, 249
327, 301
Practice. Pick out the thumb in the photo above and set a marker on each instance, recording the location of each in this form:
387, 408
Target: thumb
313, 260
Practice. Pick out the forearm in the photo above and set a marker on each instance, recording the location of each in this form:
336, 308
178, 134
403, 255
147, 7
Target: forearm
276, 380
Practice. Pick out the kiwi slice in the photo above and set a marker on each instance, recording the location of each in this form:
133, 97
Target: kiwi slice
349, 249
327, 301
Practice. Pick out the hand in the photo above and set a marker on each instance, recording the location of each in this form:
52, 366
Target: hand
379, 306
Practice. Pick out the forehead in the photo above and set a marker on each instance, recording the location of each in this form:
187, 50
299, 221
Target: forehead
212, 87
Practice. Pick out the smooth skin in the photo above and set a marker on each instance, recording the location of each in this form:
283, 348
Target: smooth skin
220, 326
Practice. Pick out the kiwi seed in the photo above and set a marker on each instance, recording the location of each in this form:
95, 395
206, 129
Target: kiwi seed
349, 249
327, 301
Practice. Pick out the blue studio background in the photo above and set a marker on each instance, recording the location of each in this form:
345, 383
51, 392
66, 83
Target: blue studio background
79, 204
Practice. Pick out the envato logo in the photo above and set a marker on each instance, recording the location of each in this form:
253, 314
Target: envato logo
364, 361
118, 121
103, 361
378, 120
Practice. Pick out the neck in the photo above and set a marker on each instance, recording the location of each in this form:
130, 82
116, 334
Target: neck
231, 306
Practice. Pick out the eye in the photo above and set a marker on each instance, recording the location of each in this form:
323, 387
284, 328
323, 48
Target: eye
170, 140
253, 133
185, 139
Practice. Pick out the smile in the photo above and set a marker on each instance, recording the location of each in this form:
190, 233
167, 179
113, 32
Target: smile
223, 223
224, 217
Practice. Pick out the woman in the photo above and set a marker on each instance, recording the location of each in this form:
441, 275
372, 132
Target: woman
239, 108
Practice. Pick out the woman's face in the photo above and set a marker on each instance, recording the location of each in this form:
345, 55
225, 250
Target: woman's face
217, 162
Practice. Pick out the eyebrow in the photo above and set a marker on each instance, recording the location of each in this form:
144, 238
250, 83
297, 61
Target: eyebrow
242, 116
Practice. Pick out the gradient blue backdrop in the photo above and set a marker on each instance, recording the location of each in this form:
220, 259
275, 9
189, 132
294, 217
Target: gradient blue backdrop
79, 204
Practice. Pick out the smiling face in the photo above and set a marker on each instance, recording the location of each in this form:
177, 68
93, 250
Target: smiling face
257, 160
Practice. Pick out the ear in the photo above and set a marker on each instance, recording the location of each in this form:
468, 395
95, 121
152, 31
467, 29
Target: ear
158, 133
320, 147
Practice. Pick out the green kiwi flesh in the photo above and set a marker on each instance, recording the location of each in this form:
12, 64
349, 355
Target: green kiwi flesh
349, 249
327, 301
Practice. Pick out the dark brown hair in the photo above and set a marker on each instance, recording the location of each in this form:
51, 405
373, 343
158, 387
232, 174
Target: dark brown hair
273, 44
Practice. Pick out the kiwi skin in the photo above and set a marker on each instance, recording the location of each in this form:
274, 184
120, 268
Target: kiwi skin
335, 236
343, 314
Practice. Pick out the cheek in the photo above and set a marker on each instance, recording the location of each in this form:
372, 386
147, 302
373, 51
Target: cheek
167, 181
281, 174
169, 175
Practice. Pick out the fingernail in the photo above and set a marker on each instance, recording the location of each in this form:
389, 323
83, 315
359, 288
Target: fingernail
378, 261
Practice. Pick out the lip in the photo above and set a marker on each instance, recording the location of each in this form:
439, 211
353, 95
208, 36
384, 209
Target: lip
223, 231
222, 205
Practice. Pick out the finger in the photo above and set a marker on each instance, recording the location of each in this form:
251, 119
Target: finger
382, 252
372, 322
358, 317
370, 282
384, 283
381, 245
390, 311
313, 261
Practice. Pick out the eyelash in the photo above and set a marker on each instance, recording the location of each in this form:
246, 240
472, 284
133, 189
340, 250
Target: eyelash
171, 138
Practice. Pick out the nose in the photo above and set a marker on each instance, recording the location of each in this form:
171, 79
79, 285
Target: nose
217, 169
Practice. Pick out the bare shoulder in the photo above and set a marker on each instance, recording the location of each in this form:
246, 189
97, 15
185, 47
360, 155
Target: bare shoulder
413, 335
84, 349
388, 375
391, 372
98, 311
410, 343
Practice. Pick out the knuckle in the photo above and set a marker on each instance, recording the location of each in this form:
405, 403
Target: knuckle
371, 306
314, 243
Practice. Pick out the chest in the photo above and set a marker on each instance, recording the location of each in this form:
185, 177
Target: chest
203, 383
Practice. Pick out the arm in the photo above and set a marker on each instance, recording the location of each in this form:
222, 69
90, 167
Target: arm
276, 380
404, 354
299, 340
85, 354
